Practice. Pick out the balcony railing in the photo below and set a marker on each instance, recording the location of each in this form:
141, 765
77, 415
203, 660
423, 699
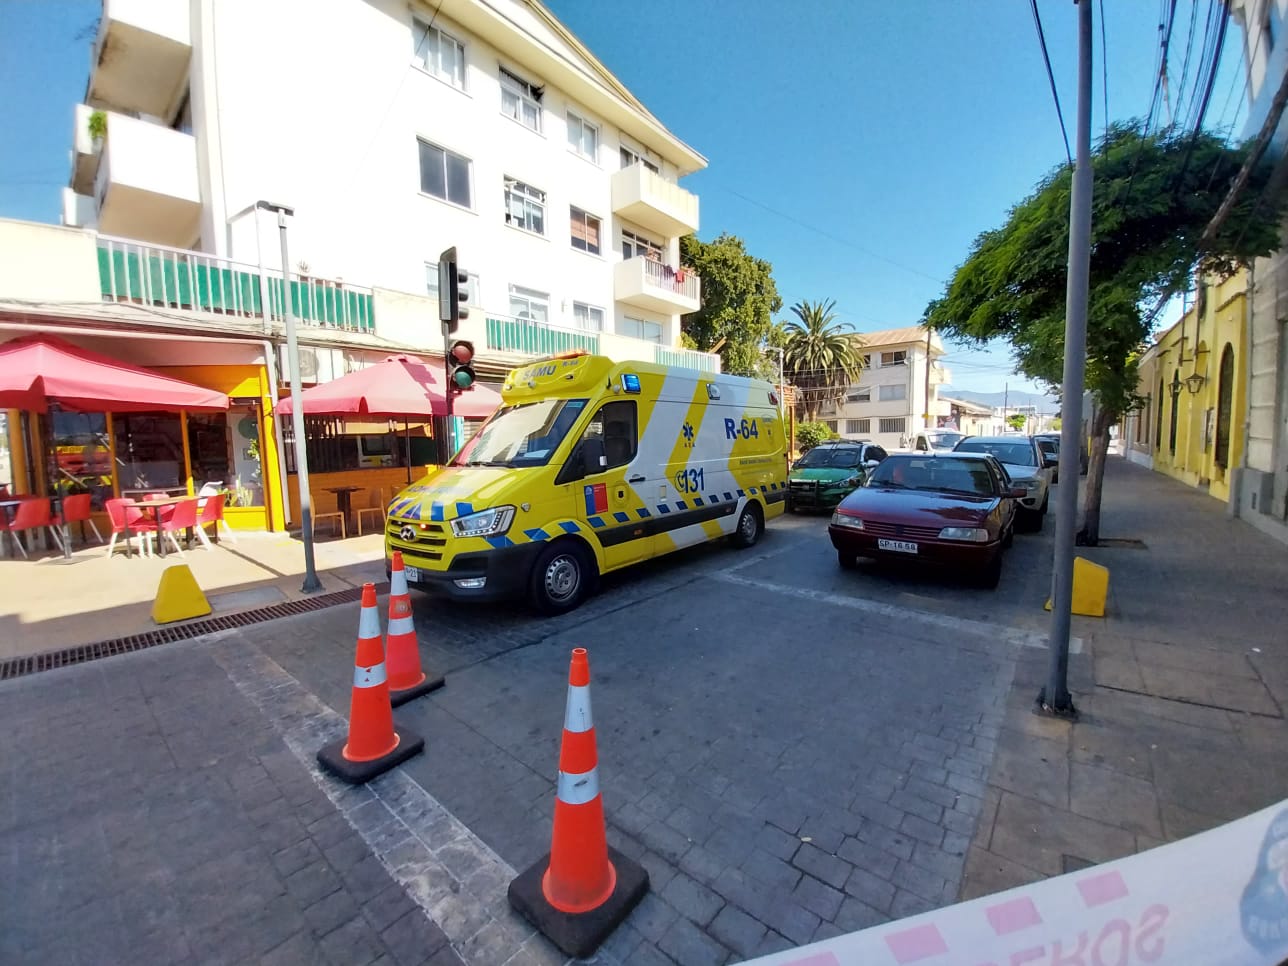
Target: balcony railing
530, 337
179, 279
682, 282
687, 359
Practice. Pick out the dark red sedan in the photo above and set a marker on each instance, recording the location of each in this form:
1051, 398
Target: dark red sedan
951, 509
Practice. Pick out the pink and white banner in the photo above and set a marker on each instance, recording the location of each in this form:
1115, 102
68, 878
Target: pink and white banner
1216, 899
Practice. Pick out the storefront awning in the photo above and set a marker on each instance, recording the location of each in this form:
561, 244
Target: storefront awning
42, 369
397, 388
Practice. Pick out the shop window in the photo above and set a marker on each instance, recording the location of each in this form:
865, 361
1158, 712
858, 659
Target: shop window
149, 453
82, 456
225, 456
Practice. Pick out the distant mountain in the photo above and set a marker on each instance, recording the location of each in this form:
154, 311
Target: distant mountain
1043, 404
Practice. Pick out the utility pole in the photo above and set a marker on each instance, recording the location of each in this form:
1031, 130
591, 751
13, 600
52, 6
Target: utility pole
925, 417
311, 582
1055, 699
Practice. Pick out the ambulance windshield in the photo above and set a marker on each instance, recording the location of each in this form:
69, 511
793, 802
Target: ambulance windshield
523, 435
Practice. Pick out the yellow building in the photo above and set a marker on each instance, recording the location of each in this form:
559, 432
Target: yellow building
1193, 381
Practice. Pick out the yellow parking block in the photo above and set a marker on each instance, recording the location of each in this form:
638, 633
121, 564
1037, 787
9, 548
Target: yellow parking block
178, 596
1090, 588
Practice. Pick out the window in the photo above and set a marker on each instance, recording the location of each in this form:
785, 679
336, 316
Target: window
856, 425
894, 425
874, 452
630, 157
830, 424
641, 329
521, 100
894, 359
867, 360
526, 303
444, 175
892, 393
583, 137
524, 435
472, 290
860, 394
438, 53
865, 426
588, 317
638, 246
525, 207
922, 446
585, 231
614, 425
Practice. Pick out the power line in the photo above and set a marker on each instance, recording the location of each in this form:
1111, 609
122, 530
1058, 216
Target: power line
1055, 95
1207, 91
1189, 45
1104, 63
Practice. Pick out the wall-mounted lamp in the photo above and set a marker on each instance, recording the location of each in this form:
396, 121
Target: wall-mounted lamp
1175, 385
1194, 382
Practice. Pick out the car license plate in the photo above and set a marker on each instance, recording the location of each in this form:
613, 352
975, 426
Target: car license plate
412, 573
900, 546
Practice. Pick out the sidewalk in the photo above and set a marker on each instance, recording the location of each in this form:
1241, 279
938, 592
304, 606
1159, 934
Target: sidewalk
1181, 693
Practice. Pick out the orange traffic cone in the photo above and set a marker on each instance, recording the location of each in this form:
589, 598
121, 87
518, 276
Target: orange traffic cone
373, 744
578, 894
402, 649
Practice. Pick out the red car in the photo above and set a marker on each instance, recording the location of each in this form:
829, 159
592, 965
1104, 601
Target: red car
951, 509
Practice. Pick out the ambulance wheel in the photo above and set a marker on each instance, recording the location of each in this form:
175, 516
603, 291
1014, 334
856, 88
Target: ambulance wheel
750, 526
561, 577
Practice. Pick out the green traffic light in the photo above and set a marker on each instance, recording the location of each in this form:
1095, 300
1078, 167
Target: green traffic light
463, 378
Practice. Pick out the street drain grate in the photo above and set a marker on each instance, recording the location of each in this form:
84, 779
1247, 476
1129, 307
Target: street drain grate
1121, 543
35, 663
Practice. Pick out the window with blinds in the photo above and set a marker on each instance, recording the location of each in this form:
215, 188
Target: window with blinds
585, 231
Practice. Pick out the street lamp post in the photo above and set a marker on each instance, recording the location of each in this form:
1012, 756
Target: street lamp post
311, 582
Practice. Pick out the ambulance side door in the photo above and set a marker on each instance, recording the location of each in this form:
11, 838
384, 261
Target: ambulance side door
611, 499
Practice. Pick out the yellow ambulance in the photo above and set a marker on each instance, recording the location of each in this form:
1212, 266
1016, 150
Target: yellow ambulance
588, 466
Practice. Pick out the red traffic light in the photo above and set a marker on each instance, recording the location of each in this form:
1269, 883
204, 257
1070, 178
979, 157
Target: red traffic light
462, 353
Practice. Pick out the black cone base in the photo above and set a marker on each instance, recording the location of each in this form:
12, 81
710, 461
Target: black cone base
357, 772
432, 682
581, 934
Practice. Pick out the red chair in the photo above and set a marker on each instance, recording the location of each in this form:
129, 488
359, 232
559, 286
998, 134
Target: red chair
32, 515
123, 516
184, 517
76, 509
212, 513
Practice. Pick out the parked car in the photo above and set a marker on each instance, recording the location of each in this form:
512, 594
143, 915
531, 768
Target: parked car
951, 509
1050, 444
936, 440
824, 475
1027, 467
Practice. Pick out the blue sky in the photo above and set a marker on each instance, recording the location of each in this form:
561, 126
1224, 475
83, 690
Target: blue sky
858, 146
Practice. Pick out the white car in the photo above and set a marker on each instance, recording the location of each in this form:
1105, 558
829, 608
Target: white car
936, 440
1028, 467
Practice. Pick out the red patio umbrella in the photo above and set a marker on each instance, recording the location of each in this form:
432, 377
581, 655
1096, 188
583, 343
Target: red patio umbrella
396, 388
39, 369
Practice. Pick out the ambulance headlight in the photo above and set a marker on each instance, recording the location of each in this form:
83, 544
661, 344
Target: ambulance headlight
485, 523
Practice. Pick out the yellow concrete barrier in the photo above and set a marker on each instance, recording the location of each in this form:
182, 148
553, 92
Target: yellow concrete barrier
179, 597
1090, 588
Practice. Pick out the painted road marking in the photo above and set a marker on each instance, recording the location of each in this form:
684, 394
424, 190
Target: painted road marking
961, 625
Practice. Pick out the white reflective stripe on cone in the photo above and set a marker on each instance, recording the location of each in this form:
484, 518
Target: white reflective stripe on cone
369, 677
577, 716
578, 788
369, 623
401, 625
397, 582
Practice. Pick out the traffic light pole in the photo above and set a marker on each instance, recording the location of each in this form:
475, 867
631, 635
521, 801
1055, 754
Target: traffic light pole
449, 390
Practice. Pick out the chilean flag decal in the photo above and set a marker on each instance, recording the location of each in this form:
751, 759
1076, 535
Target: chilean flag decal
597, 498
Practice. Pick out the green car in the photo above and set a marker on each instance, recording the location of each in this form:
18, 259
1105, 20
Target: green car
829, 472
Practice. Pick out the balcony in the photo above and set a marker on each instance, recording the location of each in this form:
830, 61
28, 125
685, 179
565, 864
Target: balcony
654, 203
659, 288
145, 182
173, 278
84, 153
141, 55
79, 211
525, 337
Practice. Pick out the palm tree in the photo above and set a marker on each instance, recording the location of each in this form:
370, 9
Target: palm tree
822, 359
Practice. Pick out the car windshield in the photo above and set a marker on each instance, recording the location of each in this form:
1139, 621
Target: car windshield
830, 457
944, 440
1018, 453
523, 435
1049, 445
967, 477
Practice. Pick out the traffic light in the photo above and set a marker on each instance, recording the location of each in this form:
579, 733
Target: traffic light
460, 366
452, 295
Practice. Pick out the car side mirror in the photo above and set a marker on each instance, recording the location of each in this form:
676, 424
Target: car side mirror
871, 464
593, 459
1017, 493
1050, 462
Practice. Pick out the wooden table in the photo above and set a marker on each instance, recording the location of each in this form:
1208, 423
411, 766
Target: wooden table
344, 501
157, 506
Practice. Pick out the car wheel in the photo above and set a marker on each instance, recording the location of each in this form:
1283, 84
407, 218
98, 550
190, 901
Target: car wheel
847, 561
561, 577
991, 575
788, 505
1028, 521
1046, 500
1008, 538
750, 526
1055, 478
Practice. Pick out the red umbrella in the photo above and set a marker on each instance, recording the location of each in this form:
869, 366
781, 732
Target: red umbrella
39, 369
399, 387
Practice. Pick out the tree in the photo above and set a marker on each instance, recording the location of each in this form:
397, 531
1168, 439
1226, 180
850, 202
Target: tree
822, 359
1017, 420
1154, 196
809, 435
739, 298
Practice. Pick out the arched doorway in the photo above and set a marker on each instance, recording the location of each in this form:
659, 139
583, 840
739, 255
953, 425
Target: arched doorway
1176, 398
1224, 407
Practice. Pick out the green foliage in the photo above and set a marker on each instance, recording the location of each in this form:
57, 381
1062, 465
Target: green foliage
809, 435
1153, 197
1056, 424
822, 358
97, 125
739, 298
1016, 421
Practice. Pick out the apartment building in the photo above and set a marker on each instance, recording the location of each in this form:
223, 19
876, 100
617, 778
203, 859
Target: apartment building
394, 131
889, 402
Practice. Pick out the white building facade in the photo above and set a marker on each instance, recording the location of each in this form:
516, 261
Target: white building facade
889, 403
394, 131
